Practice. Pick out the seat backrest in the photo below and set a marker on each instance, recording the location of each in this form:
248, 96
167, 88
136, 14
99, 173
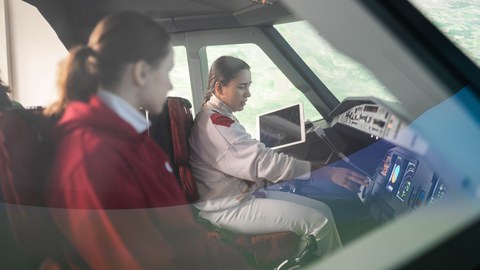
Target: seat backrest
26, 153
171, 130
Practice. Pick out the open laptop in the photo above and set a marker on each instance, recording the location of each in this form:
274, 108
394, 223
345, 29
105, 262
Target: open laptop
282, 127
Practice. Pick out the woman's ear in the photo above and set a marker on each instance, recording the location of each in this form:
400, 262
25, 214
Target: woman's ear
218, 88
140, 71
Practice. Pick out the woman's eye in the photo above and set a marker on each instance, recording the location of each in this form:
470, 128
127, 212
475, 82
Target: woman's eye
244, 86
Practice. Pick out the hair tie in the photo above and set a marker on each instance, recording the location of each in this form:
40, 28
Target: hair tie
90, 58
89, 51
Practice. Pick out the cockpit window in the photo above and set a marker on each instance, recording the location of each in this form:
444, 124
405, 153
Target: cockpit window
459, 20
179, 75
343, 76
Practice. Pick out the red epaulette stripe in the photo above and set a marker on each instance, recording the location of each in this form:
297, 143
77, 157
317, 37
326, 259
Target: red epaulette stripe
222, 120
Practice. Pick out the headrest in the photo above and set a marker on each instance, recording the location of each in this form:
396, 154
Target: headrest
181, 122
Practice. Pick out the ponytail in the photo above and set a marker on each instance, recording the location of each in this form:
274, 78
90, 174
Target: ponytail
77, 78
207, 96
211, 84
117, 40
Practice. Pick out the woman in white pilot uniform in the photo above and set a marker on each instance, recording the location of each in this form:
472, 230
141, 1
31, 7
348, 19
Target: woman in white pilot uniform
229, 166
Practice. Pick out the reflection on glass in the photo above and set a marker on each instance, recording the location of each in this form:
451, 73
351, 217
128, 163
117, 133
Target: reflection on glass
459, 20
343, 76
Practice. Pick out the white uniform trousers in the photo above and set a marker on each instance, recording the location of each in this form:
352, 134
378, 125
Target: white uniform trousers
281, 211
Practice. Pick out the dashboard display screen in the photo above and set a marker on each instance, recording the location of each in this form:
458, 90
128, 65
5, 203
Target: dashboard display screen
438, 191
406, 183
395, 174
386, 165
370, 108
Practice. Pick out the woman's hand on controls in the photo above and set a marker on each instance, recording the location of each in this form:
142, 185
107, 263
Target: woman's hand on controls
347, 178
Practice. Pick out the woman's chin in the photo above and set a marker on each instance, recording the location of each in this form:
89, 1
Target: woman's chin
240, 108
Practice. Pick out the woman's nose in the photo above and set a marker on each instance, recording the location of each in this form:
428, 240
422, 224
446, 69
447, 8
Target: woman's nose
248, 94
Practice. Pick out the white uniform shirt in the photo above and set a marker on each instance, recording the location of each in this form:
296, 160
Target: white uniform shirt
124, 110
224, 158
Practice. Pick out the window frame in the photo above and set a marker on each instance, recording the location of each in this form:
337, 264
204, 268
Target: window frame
271, 43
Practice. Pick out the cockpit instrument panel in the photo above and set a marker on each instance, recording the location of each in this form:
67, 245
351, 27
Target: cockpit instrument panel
402, 182
373, 119
376, 119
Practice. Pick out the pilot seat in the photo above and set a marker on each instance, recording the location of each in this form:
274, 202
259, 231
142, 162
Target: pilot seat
171, 130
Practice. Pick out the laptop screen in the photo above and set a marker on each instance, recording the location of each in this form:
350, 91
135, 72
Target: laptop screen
282, 127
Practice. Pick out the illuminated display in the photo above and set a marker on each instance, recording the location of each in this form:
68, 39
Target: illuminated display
386, 165
394, 174
406, 182
370, 108
438, 191
420, 198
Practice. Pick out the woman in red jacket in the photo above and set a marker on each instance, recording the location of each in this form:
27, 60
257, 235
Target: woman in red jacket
112, 191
